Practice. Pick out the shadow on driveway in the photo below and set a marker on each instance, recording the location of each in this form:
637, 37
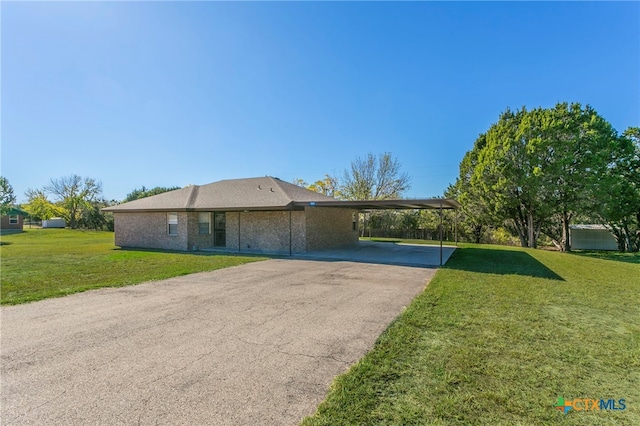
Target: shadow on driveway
385, 253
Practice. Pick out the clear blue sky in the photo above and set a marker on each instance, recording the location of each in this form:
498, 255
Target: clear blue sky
164, 94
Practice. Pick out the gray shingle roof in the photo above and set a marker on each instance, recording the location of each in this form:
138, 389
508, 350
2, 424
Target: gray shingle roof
263, 193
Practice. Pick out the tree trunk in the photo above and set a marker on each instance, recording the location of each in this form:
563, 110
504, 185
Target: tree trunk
566, 218
618, 235
520, 223
477, 233
627, 236
531, 230
538, 228
521, 233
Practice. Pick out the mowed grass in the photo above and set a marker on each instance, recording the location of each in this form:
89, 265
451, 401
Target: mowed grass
43, 263
497, 336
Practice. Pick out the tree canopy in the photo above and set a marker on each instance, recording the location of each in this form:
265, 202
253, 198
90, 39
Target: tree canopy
327, 186
74, 194
143, 192
535, 170
7, 198
374, 177
39, 207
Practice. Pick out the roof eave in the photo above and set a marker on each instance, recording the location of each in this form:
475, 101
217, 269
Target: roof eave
290, 206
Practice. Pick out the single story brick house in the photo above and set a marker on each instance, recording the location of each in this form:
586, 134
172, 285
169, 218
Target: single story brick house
262, 214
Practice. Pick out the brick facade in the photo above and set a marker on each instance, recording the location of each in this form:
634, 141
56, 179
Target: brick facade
330, 227
150, 230
279, 232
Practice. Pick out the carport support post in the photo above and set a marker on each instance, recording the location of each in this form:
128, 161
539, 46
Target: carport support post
440, 232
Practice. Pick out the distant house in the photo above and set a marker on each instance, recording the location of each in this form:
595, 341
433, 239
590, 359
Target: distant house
591, 237
262, 214
13, 220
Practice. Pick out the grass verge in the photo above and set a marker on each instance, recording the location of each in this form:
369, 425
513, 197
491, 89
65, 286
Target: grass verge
498, 335
42, 263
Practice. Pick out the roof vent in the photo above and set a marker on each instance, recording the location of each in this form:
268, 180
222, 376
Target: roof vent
259, 187
272, 190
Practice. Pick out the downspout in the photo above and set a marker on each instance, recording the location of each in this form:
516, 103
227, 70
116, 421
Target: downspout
290, 237
238, 231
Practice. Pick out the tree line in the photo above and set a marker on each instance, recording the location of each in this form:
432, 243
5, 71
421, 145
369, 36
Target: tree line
78, 200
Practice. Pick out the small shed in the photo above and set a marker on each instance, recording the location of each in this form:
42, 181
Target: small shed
592, 237
54, 222
14, 219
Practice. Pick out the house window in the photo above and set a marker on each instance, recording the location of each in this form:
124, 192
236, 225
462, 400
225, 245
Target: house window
354, 221
219, 229
13, 219
172, 223
204, 223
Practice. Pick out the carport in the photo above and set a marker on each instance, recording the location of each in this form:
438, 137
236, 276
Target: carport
439, 204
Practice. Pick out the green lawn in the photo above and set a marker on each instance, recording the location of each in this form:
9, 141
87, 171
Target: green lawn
42, 263
498, 335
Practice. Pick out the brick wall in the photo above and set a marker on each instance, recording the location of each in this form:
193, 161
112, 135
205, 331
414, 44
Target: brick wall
196, 240
315, 228
330, 227
149, 230
266, 231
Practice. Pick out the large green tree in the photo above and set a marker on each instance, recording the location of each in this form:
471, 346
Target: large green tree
534, 170
499, 178
578, 147
7, 198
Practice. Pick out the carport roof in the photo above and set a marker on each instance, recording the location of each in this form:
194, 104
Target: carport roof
419, 203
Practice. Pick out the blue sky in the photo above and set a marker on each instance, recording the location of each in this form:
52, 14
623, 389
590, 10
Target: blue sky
171, 94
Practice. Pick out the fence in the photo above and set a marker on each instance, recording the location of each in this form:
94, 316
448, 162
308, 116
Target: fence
413, 234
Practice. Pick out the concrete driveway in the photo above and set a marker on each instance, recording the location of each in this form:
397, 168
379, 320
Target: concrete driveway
254, 344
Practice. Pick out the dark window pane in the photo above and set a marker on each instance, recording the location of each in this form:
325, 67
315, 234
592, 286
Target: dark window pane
220, 238
203, 228
220, 221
